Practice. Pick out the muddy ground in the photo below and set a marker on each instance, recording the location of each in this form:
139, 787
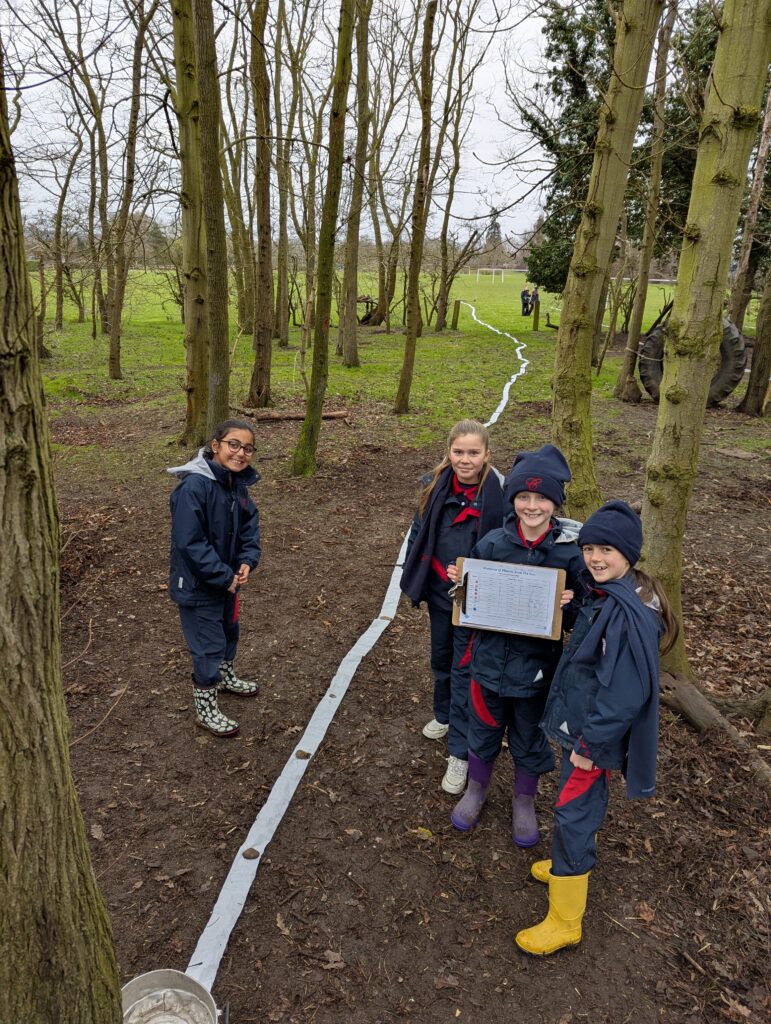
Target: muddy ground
368, 906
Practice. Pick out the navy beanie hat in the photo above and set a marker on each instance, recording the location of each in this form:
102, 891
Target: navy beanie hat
616, 524
543, 472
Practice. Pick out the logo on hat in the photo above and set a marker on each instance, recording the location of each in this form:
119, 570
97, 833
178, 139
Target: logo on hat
534, 482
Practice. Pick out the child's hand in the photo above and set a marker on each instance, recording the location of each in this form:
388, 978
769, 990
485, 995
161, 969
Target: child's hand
581, 762
452, 572
243, 574
233, 585
567, 597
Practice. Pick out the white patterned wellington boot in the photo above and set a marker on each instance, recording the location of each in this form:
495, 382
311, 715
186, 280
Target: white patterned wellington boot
232, 684
208, 714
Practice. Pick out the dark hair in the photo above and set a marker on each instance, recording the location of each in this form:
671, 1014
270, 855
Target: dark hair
222, 430
476, 429
650, 588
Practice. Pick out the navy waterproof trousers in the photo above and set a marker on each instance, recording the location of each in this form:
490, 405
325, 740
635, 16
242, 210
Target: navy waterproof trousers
450, 665
211, 633
578, 814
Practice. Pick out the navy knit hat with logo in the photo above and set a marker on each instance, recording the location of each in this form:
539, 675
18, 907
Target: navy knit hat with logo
615, 524
543, 472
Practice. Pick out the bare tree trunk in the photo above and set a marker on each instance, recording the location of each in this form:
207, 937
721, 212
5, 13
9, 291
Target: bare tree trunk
742, 289
571, 419
40, 319
98, 302
349, 321
692, 340
120, 262
627, 389
377, 315
259, 390
58, 960
281, 328
213, 213
616, 289
419, 215
76, 293
235, 162
755, 398
59, 233
599, 316
304, 458
196, 293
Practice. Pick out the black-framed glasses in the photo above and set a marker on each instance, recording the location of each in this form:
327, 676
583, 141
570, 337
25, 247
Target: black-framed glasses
236, 446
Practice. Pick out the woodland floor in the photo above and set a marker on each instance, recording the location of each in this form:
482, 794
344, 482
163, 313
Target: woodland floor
368, 906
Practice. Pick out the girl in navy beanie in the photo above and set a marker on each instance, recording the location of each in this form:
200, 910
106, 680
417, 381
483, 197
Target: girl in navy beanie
603, 711
511, 672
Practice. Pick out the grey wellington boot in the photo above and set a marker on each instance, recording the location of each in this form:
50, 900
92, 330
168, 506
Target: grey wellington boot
208, 714
232, 684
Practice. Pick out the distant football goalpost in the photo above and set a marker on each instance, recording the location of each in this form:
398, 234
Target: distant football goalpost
488, 272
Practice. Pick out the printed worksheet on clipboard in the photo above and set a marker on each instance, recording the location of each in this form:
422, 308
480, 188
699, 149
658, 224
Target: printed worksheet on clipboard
508, 598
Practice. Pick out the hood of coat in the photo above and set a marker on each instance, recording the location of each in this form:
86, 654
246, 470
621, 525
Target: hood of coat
201, 466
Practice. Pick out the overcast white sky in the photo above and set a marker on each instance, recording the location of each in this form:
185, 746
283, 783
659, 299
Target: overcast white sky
484, 183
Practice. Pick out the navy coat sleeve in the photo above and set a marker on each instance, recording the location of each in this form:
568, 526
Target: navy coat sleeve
612, 711
414, 531
190, 538
249, 549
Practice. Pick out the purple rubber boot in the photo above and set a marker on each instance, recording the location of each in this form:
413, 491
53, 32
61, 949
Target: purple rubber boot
524, 824
465, 814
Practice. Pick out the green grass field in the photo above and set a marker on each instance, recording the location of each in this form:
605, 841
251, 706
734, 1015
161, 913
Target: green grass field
456, 373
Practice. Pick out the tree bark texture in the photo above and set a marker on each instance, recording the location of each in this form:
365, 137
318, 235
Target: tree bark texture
693, 335
196, 293
756, 397
742, 289
58, 962
627, 389
419, 215
349, 320
304, 458
259, 390
619, 116
213, 214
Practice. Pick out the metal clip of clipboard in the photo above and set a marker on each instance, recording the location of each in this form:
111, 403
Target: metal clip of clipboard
458, 593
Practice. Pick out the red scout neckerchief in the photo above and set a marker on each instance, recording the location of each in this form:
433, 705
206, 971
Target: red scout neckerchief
532, 543
470, 492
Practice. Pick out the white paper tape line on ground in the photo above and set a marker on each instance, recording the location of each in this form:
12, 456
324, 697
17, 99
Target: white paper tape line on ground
524, 363
208, 953
206, 958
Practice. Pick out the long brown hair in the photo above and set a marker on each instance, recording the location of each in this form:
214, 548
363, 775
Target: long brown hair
650, 588
462, 427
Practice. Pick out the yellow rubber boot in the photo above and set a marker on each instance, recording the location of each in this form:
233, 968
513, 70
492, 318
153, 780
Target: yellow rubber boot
541, 871
562, 925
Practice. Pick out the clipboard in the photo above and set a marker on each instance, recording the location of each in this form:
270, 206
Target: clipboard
508, 598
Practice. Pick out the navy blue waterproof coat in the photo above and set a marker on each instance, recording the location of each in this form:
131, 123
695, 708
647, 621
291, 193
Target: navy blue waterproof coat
597, 720
510, 664
215, 528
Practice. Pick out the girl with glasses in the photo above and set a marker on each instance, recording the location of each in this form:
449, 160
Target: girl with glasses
215, 544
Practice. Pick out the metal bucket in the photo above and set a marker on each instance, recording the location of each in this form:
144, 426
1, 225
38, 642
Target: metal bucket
167, 997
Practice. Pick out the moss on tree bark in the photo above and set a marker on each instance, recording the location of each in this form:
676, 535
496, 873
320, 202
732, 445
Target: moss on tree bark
729, 128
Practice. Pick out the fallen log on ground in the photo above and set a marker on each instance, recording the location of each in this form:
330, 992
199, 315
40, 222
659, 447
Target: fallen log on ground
680, 695
269, 415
